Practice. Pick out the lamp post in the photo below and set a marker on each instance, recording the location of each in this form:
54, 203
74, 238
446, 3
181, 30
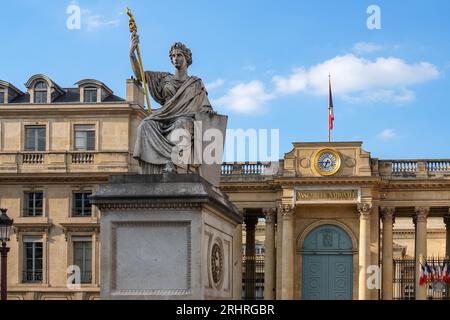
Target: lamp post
5, 230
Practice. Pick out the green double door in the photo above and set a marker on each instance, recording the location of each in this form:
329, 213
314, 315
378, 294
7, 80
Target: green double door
327, 277
327, 265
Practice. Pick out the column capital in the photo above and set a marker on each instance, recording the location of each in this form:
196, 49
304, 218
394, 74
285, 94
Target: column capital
287, 211
387, 213
270, 214
365, 209
421, 214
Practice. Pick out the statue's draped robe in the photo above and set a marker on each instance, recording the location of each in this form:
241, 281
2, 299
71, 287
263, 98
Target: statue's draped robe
180, 101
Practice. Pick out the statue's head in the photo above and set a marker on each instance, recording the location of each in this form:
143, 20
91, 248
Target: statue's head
178, 47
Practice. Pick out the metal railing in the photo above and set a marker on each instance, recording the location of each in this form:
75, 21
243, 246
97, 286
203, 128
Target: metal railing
85, 277
404, 281
252, 277
32, 276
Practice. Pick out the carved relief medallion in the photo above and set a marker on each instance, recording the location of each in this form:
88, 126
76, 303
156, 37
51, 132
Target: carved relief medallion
217, 260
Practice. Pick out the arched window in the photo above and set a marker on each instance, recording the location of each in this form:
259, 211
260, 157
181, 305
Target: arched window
2, 96
90, 94
40, 92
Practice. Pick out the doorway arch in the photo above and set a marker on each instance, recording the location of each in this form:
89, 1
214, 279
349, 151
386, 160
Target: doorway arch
327, 264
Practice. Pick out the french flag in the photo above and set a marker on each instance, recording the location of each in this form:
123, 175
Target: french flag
423, 275
429, 272
445, 276
330, 106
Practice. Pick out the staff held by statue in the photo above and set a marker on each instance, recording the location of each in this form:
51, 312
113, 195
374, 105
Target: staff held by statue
133, 29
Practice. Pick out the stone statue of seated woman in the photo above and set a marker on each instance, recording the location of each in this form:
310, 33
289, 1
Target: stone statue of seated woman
182, 99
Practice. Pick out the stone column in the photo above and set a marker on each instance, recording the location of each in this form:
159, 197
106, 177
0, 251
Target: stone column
269, 256
447, 235
237, 281
278, 252
364, 209
420, 220
250, 257
287, 255
387, 215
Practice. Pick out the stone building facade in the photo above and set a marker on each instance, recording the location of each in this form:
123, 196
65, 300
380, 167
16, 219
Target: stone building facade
327, 212
56, 146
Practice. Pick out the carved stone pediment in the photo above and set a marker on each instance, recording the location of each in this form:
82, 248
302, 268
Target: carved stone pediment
38, 227
80, 227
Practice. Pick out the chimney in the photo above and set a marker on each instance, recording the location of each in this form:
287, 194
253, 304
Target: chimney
135, 93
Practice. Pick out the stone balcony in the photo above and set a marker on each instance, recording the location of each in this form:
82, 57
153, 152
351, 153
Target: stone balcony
249, 171
388, 169
414, 169
65, 162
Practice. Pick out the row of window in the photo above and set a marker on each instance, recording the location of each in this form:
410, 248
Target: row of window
32, 268
84, 138
40, 94
34, 204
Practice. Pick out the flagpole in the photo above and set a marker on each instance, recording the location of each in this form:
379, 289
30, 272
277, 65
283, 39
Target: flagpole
329, 128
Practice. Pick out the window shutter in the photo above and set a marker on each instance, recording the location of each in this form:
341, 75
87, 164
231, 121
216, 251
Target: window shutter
29, 144
80, 140
41, 139
91, 140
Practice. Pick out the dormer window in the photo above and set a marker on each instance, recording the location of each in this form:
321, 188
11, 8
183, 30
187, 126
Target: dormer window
90, 95
93, 91
8, 92
40, 92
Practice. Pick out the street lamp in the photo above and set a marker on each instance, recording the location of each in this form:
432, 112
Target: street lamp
5, 231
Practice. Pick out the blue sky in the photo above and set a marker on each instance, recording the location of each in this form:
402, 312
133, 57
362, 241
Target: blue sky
265, 63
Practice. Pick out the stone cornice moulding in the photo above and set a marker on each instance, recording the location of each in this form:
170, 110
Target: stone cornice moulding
149, 205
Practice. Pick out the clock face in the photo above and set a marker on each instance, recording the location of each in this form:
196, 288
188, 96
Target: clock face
327, 162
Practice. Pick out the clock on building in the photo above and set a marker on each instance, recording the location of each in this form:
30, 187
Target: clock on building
327, 162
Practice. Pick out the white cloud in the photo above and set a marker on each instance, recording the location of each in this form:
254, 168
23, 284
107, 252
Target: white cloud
382, 95
355, 78
387, 134
294, 83
215, 84
94, 22
245, 98
366, 47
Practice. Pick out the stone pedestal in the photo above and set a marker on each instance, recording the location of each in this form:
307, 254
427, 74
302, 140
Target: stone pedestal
169, 236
